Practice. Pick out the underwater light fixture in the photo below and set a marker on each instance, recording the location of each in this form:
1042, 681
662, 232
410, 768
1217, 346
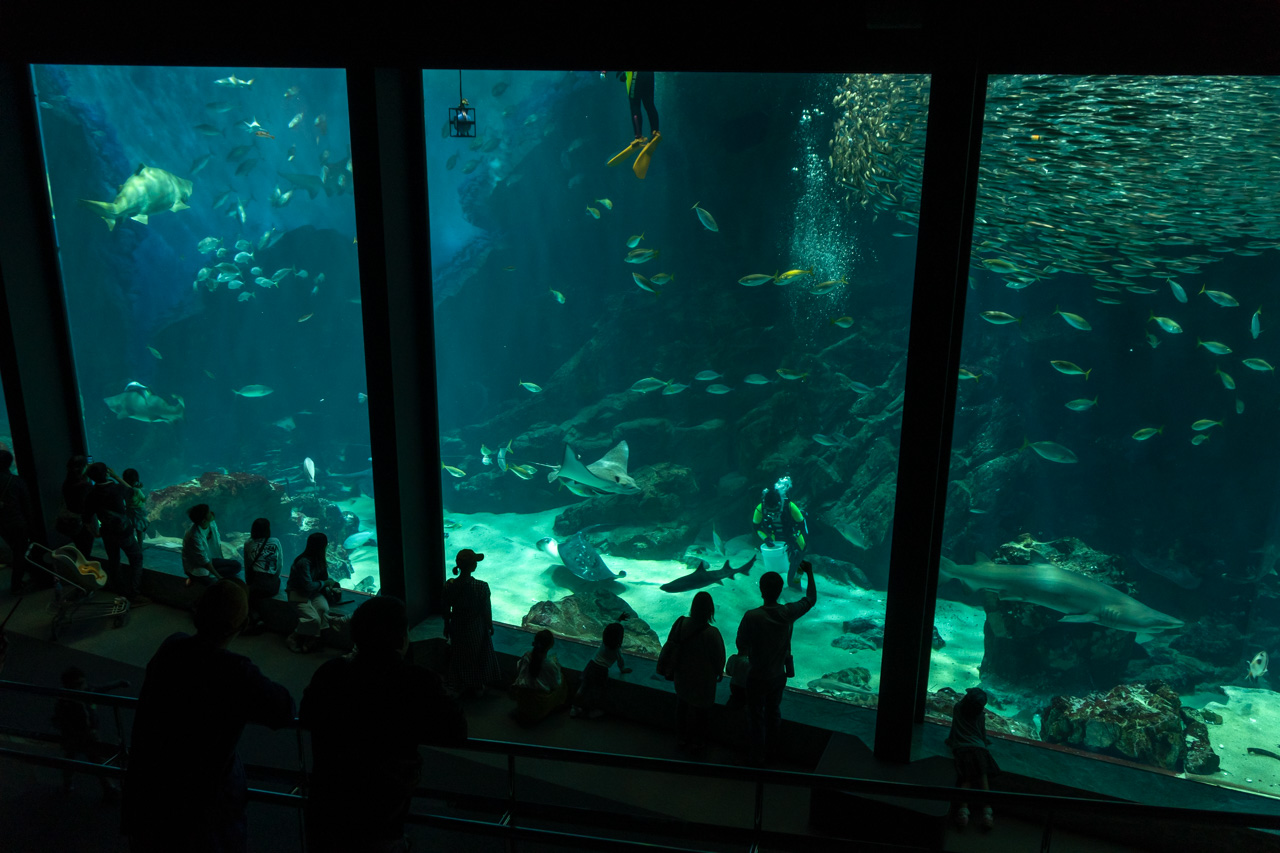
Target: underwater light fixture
462, 118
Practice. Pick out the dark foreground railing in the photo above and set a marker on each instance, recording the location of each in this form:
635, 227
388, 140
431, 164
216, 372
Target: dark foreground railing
512, 808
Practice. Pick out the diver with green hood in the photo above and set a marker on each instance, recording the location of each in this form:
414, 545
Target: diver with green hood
778, 519
640, 87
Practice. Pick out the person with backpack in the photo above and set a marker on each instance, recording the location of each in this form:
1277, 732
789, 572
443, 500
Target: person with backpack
109, 501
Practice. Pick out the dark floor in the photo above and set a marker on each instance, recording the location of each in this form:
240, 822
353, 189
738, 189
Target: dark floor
35, 815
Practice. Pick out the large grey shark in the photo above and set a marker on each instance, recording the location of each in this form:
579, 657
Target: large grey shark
148, 190
140, 403
606, 474
1080, 598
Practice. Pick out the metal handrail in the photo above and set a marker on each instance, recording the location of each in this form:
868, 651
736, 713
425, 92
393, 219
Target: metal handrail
761, 776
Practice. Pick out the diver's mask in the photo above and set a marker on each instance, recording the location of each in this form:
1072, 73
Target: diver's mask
782, 486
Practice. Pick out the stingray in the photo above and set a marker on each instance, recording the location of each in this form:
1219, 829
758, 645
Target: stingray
579, 557
606, 474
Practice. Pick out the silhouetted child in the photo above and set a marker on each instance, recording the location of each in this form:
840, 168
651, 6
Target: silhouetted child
590, 695
77, 723
968, 741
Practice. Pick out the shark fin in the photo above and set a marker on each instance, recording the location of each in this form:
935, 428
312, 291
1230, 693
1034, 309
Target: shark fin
138, 171
1078, 617
980, 557
177, 205
141, 217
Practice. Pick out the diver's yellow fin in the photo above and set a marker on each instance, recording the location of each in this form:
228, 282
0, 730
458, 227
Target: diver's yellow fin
641, 167
622, 155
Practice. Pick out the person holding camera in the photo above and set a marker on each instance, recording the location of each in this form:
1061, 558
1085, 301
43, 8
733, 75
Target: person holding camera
308, 587
764, 637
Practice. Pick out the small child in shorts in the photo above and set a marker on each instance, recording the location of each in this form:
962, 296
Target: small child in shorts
968, 741
590, 695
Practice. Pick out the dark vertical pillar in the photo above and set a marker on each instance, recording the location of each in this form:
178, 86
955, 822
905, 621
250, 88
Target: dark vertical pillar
388, 147
956, 101
40, 385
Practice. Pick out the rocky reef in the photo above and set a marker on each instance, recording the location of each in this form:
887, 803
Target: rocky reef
584, 615
238, 499
1143, 723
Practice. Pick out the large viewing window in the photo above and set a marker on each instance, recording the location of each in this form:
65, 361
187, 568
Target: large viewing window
1113, 521
206, 228
630, 358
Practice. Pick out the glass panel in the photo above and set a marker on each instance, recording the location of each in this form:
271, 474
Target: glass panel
207, 231
627, 366
1112, 499
6, 434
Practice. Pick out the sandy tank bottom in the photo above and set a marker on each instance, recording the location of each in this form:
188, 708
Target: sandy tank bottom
519, 576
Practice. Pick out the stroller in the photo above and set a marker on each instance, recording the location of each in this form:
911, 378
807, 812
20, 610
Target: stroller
78, 582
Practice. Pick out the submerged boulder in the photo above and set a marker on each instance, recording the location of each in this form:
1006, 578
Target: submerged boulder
1139, 722
237, 499
583, 616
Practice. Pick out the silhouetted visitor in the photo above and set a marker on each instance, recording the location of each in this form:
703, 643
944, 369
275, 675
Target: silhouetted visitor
109, 502
588, 700
968, 741
308, 581
263, 560
136, 505
764, 636
75, 520
202, 558
77, 725
15, 522
361, 786
697, 662
539, 687
468, 625
185, 788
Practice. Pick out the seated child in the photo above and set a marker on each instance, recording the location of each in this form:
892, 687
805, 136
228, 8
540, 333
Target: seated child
539, 687
590, 695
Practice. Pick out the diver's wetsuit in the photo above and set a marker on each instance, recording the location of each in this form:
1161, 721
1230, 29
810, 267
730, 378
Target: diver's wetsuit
783, 521
640, 89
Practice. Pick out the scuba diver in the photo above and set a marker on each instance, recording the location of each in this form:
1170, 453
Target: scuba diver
639, 91
778, 519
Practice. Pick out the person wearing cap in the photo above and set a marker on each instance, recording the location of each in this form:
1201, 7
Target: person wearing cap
468, 626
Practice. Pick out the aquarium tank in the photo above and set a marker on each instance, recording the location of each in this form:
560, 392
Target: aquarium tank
206, 229
1111, 534
6, 433
642, 328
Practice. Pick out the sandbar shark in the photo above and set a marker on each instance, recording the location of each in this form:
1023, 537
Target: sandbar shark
148, 190
606, 474
702, 576
1080, 598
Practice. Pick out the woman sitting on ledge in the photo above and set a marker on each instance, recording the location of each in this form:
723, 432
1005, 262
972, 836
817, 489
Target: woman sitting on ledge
539, 687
